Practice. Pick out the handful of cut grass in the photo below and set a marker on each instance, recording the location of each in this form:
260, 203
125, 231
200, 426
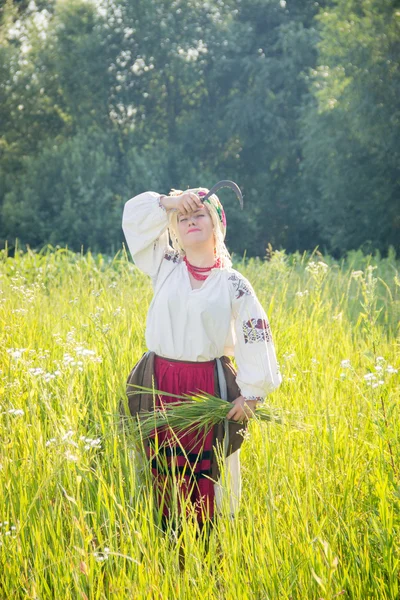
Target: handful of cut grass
196, 412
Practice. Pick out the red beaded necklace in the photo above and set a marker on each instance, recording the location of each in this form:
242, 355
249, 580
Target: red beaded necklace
201, 273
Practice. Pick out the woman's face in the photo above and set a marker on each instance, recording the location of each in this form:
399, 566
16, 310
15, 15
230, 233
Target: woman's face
196, 228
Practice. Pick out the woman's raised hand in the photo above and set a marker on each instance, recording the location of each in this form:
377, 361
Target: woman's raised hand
185, 203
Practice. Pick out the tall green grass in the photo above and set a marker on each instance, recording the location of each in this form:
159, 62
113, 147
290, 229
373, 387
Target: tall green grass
319, 515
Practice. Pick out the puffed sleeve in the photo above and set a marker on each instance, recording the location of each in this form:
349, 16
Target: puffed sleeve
145, 226
258, 372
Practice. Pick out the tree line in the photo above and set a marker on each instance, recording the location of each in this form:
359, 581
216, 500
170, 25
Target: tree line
296, 101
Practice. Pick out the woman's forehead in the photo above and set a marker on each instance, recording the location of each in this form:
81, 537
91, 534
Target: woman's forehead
204, 208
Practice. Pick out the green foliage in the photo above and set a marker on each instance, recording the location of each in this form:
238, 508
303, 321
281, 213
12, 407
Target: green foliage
351, 129
296, 101
66, 194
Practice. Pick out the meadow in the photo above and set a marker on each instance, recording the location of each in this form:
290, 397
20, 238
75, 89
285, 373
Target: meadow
320, 509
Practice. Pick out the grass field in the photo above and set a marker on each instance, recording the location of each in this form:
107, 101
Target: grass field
319, 514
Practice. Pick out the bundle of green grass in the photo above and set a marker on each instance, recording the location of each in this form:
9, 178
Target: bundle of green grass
192, 413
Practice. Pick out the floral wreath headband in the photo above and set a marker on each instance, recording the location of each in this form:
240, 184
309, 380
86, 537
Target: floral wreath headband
214, 202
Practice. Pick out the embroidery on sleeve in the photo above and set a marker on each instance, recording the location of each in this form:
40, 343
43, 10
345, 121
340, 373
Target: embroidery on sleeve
172, 255
240, 286
256, 330
161, 205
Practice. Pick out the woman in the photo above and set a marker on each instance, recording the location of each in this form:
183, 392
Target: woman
202, 312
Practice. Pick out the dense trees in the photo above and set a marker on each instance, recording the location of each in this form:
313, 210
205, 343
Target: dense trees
296, 101
351, 132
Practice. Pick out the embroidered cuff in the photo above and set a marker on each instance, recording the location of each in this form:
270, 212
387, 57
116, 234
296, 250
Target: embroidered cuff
160, 203
258, 398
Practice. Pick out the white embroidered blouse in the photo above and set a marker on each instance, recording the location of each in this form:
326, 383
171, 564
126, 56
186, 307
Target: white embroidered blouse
222, 317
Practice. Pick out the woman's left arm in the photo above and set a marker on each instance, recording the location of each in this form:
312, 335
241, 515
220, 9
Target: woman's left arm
258, 371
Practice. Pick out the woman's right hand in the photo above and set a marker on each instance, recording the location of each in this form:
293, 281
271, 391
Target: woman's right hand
185, 203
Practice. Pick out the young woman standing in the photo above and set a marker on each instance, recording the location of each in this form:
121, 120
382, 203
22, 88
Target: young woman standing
202, 310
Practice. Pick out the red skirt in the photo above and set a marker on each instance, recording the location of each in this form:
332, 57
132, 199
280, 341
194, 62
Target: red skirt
190, 458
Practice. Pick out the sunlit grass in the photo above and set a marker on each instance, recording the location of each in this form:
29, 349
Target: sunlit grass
319, 514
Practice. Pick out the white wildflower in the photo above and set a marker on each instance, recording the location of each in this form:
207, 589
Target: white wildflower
293, 378
101, 556
35, 371
16, 411
69, 456
315, 268
16, 353
375, 383
345, 364
81, 351
71, 335
92, 443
